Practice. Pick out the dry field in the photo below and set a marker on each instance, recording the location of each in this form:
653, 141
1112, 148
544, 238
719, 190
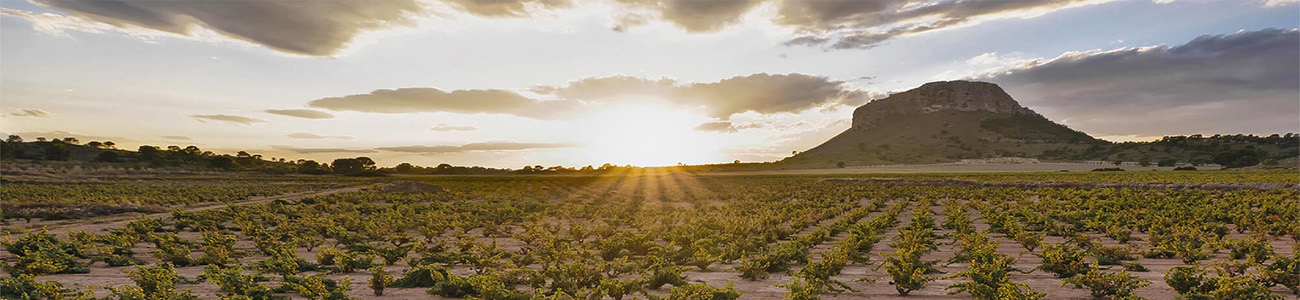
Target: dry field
673, 235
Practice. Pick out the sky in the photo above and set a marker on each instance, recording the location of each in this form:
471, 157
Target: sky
511, 83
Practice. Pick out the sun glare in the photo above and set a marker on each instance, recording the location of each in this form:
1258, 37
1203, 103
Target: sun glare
644, 134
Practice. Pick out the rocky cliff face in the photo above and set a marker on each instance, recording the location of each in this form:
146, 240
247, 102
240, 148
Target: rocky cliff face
939, 96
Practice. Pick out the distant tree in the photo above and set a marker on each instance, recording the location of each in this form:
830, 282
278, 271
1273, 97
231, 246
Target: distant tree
1166, 162
147, 152
839, 164
444, 167
71, 140
107, 156
222, 162
367, 164
110, 145
347, 166
404, 168
57, 152
310, 167
95, 144
192, 150
1145, 162
588, 168
736, 161
14, 138
40, 139
1119, 162
173, 148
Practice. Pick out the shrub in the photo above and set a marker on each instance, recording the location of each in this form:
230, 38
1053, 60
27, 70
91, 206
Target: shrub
988, 272
1284, 271
157, 282
1108, 285
218, 249
661, 272
1186, 279
42, 254
1110, 255
422, 276
317, 287
1135, 267
379, 279
907, 270
616, 289
1254, 248
232, 283
1063, 260
798, 290
25, 286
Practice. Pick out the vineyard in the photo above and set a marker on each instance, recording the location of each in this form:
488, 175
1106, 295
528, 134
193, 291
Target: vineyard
672, 235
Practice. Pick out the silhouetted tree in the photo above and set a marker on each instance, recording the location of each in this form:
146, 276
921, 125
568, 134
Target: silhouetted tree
94, 144
57, 151
148, 153
110, 145
404, 168
222, 162
107, 156
347, 166
14, 138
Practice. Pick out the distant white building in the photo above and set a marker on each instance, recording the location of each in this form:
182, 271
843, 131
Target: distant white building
998, 160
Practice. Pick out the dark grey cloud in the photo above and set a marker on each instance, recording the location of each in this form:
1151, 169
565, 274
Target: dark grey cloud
724, 126
317, 28
301, 113
446, 127
227, 118
304, 135
505, 8
1245, 82
414, 100
35, 113
484, 146
319, 150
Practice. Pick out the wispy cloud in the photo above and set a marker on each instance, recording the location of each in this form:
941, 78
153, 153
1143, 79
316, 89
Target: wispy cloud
227, 118
445, 127
301, 113
35, 113
484, 146
304, 135
319, 150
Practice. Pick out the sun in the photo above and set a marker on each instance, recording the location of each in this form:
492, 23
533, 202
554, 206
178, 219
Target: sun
644, 134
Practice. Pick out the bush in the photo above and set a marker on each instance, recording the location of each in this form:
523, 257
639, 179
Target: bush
42, 254
1063, 260
157, 282
907, 270
379, 279
25, 286
422, 276
232, 283
1108, 285
317, 287
1187, 168
988, 273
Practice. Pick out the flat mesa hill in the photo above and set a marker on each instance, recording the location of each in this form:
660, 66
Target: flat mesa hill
953, 120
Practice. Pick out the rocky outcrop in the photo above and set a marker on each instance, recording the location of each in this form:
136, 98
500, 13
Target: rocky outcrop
939, 96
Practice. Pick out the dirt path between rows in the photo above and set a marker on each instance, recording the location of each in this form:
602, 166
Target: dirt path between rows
1071, 184
98, 224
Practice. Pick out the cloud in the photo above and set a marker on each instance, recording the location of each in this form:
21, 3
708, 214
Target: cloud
484, 146
691, 15
315, 28
35, 113
445, 127
414, 100
176, 137
762, 93
227, 118
301, 113
506, 8
303, 135
1244, 82
319, 150
844, 24
31, 136
724, 127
